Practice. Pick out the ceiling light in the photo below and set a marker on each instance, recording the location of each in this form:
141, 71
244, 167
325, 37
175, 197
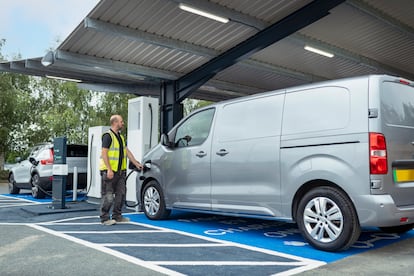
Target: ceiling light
61, 78
320, 52
221, 19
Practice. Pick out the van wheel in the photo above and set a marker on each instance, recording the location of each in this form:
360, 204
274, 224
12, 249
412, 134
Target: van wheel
36, 190
400, 229
12, 185
327, 219
154, 203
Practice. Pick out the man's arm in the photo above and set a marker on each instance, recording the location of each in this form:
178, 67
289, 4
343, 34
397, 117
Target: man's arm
105, 158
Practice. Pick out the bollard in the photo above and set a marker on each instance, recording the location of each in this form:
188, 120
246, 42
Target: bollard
75, 183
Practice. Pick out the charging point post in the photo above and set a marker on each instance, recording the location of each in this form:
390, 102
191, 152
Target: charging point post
142, 136
60, 173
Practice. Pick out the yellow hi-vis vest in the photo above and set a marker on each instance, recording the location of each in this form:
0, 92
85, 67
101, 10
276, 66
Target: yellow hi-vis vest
113, 154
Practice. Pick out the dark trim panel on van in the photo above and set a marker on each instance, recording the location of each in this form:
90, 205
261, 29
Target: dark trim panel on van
316, 145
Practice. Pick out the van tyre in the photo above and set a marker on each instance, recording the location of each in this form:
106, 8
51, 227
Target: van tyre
36, 189
327, 219
12, 185
154, 202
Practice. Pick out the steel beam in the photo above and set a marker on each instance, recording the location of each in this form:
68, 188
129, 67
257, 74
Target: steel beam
275, 32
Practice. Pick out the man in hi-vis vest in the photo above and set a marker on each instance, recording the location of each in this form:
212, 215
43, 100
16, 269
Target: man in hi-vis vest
113, 165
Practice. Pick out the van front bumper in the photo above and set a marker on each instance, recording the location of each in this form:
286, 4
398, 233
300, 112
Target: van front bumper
381, 211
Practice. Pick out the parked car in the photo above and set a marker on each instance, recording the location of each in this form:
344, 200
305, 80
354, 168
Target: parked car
36, 172
332, 157
8, 166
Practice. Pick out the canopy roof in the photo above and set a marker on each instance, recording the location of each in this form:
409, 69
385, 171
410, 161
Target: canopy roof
133, 46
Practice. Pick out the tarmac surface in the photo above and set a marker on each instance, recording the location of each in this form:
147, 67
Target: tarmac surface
26, 250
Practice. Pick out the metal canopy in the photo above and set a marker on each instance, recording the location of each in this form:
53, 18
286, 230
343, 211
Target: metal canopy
136, 46
186, 85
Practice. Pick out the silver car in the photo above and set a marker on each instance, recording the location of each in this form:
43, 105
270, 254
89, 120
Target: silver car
36, 172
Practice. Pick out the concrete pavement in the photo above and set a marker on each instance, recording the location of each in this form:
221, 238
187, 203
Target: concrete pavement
28, 251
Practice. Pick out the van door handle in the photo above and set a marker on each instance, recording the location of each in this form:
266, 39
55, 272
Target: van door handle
201, 154
222, 152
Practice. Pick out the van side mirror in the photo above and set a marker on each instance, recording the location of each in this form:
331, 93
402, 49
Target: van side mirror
165, 140
18, 159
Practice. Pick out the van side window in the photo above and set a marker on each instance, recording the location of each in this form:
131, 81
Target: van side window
194, 131
250, 119
317, 109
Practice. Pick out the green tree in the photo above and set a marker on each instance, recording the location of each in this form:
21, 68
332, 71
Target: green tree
14, 91
13, 99
63, 110
192, 104
7, 110
112, 103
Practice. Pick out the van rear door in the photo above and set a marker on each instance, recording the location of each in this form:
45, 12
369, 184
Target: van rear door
397, 113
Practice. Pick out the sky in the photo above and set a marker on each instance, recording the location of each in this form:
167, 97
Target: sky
32, 27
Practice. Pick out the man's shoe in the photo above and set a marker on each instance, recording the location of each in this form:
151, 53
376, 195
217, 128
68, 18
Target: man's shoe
123, 219
109, 222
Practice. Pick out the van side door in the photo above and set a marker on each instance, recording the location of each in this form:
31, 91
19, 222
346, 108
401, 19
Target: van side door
186, 165
245, 165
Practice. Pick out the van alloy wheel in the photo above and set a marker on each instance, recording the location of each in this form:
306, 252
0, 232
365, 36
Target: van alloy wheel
327, 219
152, 201
323, 219
154, 205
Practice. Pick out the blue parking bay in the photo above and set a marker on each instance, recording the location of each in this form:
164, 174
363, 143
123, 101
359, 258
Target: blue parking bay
272, 235
48, 199
175, 252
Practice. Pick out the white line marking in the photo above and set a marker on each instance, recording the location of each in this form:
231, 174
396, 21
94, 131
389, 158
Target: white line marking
305, 264
15, 205
115, 232
108, 251
165, 245
70, 223
23, 199
252, 248
3, 200
227, 263
60, 221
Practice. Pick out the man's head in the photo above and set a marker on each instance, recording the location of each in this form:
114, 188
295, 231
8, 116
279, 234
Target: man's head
117, 123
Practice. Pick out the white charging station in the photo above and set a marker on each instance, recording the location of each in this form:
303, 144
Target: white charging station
143, 129
94, 155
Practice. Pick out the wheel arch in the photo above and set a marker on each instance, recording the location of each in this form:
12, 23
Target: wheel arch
306, 187
33, 172
8, 177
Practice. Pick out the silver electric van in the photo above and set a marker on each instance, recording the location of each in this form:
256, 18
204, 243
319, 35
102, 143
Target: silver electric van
332, 156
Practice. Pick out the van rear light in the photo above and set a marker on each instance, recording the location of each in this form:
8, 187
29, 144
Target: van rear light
48, 161
377, 153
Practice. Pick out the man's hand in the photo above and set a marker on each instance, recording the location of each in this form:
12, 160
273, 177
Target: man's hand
109, 174
138, 165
